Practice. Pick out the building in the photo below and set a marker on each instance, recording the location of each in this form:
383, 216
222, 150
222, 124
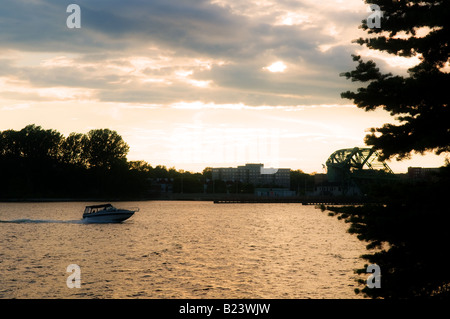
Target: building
274, 192
422, 173
334, 189
323, 187
254, 174
161, 186
320, 178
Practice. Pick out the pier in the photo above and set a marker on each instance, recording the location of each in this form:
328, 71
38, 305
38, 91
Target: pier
302, 200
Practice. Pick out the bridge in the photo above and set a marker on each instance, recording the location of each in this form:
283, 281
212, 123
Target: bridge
352, 168
352, 161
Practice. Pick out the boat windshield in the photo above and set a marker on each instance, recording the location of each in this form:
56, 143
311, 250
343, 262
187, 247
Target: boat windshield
96, 208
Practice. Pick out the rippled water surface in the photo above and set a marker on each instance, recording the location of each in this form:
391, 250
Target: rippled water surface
178, 249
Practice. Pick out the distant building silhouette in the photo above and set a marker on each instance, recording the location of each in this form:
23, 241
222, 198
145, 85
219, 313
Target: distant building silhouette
254, 174
160, 186
274, 192
421, 173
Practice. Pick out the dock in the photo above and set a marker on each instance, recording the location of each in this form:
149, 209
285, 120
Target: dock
303, 201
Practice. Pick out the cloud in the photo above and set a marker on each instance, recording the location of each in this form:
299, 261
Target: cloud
14, 107
167, 51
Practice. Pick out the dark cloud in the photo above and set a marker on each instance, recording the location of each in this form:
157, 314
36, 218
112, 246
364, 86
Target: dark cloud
114, 29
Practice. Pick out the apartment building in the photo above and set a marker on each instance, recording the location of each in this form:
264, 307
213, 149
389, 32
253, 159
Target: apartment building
253, 174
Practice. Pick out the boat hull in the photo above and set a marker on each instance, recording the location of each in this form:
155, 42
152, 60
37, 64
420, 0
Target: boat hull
108, 217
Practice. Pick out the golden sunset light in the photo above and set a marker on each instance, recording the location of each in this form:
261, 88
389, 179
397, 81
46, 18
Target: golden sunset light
224, 158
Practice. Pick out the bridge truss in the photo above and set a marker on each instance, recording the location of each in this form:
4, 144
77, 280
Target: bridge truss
347, 166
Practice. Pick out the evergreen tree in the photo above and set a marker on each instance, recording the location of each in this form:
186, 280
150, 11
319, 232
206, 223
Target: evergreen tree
419, 101
409, 230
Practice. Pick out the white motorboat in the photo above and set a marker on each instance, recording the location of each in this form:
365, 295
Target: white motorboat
107, 213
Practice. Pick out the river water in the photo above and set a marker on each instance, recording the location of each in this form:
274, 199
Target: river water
177, 249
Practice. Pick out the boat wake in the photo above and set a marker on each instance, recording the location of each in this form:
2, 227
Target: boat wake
42, 221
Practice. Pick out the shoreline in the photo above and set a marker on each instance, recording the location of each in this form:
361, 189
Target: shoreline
216, 198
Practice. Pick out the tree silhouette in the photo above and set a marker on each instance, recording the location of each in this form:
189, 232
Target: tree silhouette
73, 150
33, 142
38, 163
419, 101
409, 230
105, 148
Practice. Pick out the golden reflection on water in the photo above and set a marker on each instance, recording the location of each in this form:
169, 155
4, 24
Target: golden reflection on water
178, 250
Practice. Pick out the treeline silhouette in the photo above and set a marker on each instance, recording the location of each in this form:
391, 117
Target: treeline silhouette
37, 163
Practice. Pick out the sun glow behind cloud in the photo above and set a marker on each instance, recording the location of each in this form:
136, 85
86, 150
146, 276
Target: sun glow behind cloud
275, 67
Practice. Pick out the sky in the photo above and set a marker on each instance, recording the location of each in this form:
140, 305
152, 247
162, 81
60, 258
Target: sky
194, 83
